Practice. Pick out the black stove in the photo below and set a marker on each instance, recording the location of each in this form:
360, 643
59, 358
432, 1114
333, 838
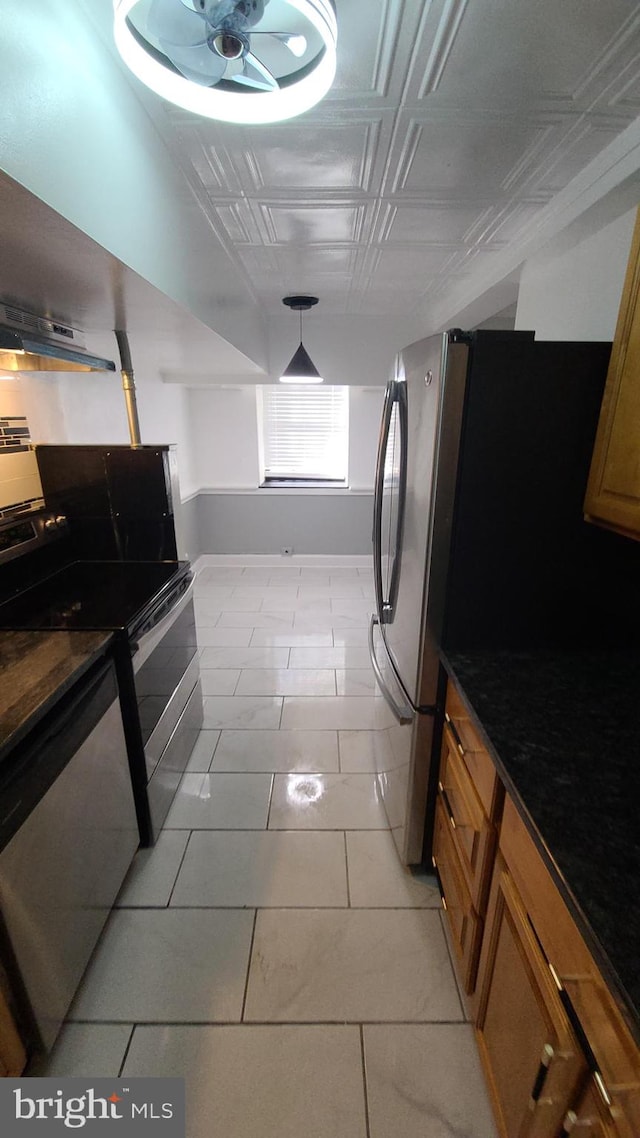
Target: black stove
148, 608
95, 595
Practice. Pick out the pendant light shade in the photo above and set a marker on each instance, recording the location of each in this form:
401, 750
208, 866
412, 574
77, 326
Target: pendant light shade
301, 368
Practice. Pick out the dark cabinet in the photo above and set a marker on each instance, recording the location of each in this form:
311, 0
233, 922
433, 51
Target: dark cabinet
120, 501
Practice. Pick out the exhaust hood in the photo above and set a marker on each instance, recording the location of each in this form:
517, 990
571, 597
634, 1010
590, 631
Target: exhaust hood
36, 343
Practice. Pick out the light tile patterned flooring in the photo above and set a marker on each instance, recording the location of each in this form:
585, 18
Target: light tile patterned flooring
271, 949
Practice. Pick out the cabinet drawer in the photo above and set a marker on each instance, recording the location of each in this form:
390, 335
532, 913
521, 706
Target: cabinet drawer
471, 831
610, 1040
464, 922
473, 753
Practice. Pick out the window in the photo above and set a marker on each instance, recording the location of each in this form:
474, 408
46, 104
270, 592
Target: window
305, 434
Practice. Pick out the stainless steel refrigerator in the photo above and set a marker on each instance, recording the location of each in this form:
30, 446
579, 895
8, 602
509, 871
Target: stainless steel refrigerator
479, 538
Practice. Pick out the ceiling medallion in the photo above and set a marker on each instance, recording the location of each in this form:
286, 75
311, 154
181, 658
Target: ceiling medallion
239, 61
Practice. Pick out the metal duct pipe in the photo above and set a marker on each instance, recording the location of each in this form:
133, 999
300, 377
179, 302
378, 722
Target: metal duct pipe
129, 387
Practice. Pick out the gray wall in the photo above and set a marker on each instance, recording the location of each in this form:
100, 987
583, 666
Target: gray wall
264, 523
189, 541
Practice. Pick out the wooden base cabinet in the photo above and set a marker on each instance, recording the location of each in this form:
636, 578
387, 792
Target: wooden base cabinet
533, 1064
558, 1057
13, 1057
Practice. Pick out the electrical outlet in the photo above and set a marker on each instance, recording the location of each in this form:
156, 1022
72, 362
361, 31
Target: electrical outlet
286, 550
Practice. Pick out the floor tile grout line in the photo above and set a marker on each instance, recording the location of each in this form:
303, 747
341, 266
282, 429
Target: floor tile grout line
249, 963
126, 1050
213, 753
346, 866
175, 880
364, 1081
314, 908
278, 829
274, 1022
271, 790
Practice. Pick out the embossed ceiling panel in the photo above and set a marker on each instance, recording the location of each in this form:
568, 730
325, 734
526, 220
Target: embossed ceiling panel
451, 127
566, 161
539, 49
476, 156
431, 222
314, 224
326, 155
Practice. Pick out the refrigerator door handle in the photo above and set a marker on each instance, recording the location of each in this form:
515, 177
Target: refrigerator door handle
403, 713
385, 426
400, 394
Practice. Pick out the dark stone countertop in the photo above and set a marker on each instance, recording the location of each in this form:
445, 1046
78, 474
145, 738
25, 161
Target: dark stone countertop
564, 731
36, 669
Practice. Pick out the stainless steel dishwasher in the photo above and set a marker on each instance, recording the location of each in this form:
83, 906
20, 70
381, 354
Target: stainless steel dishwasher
69, 823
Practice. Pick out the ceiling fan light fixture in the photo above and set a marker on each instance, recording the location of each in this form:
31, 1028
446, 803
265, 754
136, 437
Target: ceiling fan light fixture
298, 93
301, 368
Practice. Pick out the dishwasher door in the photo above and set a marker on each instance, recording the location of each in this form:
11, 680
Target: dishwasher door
61, 871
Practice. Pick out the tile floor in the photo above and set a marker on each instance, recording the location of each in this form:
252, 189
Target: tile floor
271, 949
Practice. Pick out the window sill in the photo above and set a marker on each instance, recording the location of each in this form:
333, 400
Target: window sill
302, 484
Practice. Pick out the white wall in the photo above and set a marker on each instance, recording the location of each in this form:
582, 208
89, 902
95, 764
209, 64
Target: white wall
365, 409
575, 295
224, 430
72, 407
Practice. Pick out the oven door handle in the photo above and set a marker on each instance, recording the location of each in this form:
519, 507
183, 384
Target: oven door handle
141, 649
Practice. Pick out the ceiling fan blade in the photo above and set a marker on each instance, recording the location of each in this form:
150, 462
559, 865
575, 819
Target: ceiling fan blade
170, 21
255, 74
198, 62
296, 42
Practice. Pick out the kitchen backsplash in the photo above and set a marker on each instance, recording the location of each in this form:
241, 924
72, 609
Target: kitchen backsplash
20, 486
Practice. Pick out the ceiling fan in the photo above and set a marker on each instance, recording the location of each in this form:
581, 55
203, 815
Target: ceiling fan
236, 60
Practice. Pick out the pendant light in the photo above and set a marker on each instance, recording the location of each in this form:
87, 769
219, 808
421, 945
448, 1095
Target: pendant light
239, 61
301, 368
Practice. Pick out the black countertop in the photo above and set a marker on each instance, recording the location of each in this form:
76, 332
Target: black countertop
36, 669
564, 731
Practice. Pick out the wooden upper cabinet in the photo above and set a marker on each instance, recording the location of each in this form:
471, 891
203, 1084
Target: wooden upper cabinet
613, 491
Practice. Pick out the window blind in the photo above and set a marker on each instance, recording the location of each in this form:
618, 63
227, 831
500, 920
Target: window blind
305, 432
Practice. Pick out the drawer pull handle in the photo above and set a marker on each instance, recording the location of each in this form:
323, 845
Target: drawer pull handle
568, 1123
578, 1029
457, 739
543, 1071
439, 883
447, 805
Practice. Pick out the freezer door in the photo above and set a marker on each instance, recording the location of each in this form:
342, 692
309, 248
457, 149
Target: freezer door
422, 369
389, 498
401, 751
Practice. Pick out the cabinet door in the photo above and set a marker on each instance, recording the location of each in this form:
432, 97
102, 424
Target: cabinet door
532, 1062
613, 490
